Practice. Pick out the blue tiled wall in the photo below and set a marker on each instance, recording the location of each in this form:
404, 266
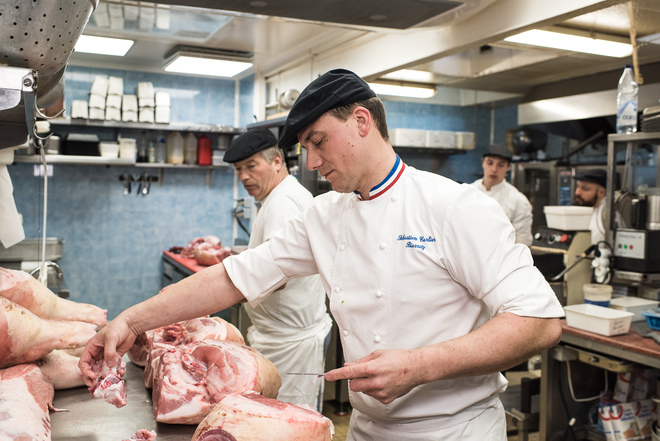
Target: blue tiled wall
460, 167
113, 243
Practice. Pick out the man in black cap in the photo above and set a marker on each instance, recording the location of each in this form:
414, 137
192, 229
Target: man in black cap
590, 192
431, 295
290, 327
496, 163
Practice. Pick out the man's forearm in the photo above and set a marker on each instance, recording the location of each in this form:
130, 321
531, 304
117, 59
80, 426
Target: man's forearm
206, 292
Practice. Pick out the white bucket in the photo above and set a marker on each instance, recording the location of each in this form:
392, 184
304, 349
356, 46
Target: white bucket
597, 294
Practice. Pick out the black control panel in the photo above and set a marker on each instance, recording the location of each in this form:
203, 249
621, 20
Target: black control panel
551, 238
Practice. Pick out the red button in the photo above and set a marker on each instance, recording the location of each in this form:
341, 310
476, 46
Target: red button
630, 247
564, 238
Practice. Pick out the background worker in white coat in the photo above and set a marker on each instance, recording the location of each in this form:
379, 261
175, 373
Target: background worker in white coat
496, 163
290, 327
590, 191
432, 296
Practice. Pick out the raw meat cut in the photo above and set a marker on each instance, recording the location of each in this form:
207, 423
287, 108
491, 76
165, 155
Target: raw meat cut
208, 254
169, 338
143, 435
109, 383
23, 289
188, 252
256, 418
191, 380
139, 352
25, 338
24, 401
61, 370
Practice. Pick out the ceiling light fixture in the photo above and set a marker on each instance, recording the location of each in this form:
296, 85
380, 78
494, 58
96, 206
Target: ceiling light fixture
574, 43
103, 45
405, 91
210, 62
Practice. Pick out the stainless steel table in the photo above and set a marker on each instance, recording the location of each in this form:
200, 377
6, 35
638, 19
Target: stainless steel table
92, 419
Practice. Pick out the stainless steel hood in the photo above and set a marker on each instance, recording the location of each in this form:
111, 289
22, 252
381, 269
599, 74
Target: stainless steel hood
36, 40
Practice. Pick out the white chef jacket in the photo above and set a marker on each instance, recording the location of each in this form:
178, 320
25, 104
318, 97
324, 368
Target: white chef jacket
289, 327
515, 205
596, 223
409, 268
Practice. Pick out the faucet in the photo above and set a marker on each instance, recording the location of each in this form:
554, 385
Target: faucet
49, 264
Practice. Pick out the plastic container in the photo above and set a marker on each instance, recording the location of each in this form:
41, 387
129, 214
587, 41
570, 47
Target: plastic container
626, 102
127, 148
203, 150
597, 294
570, 218
109, 149
652, 319
598, 319
190, 148
635, 305
161, 149
174, 145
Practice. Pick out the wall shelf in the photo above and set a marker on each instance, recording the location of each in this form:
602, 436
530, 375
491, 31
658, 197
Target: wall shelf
172, 127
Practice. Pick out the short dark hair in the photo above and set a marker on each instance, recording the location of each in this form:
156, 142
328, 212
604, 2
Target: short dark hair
373, 105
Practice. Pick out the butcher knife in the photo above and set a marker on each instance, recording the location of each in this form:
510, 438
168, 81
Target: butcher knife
305, 373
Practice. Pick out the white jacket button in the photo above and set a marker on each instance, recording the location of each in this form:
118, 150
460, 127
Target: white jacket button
377, 339
342, 247
345, 332
382, 245
336, 289
379, 293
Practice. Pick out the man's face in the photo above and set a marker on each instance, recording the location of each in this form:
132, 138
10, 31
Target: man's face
495, 169
588, 194
257, 175
330, 145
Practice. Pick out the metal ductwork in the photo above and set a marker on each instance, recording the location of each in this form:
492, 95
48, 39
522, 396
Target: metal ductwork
36, 41
580, 117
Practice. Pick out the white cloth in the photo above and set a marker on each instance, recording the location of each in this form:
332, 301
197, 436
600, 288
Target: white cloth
11, 228
596, 223
410, 268
515, 205
290, 326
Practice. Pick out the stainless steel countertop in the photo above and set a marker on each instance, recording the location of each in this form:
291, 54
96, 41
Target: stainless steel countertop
92, 419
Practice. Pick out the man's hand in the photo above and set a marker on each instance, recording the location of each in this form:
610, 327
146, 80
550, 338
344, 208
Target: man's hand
116, 337
384, 375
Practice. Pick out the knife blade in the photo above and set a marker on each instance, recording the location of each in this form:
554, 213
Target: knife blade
305, 373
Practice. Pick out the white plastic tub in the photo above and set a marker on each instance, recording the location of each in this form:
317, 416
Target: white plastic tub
598, 319
570, 218
636, 305
109, 149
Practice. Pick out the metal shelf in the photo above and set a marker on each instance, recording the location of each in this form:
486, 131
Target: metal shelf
177, 126
99, 160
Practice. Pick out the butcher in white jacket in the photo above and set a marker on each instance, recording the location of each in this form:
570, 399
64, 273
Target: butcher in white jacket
290, 327
496, 162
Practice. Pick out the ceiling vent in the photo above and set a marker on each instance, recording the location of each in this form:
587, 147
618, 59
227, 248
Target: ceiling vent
393, 14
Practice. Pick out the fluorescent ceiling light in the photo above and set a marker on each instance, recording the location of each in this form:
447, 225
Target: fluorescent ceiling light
574, 43
103, 45
418, 76
407, 91
206, 66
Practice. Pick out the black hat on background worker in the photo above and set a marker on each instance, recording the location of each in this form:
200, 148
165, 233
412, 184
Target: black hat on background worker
336, 88
595, 175
499, 151
248, 143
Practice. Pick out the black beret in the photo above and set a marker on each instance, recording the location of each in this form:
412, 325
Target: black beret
248, 143
594, 175
498, 150
336, 88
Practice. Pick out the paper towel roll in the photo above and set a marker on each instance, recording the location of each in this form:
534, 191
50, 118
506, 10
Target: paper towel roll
11, 228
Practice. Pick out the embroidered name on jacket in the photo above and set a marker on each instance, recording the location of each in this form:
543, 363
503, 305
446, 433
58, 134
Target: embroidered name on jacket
419, 242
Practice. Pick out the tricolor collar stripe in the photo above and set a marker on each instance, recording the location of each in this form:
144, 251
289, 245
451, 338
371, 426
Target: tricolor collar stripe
388, 182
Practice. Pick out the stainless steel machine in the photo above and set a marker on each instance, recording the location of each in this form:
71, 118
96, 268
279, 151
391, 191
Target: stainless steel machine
636, 239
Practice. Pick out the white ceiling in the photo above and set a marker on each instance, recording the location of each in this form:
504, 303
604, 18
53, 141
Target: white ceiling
462, 47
